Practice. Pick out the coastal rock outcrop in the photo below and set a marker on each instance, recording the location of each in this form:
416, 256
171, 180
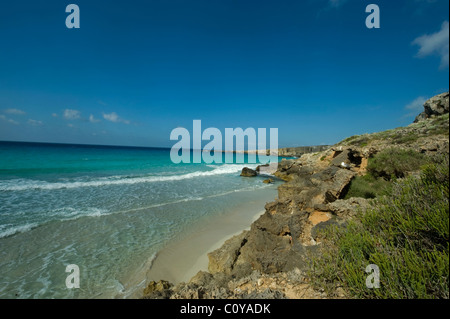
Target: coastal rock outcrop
248, 172
301, 150
436, 106
349, 207
223, 259
158, 289
280, 242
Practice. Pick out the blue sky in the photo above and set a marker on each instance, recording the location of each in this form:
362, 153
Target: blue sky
135, 70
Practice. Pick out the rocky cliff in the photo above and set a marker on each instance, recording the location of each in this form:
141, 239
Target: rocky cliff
270, 260
301, 150
436, 106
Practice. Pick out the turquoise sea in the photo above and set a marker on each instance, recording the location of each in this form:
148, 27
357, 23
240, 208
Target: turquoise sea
107, 209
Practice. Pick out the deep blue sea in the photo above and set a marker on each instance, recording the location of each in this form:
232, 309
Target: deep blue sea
108, 210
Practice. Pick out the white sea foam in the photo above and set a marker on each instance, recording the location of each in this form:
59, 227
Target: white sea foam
17, 229
24, 184
149, 262
62, 214
70, 213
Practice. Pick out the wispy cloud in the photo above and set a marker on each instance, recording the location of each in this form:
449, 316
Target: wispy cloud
416, 106
92, 119
72, 114
435, 44
54, 115
35, 122
4, 118
113, 117
14, 111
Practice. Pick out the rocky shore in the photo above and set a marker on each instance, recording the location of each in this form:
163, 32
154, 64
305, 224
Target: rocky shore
271, 259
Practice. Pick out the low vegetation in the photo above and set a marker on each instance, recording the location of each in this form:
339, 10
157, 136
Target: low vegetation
368, 187
403, 135
383, 169
405, 233
395, 163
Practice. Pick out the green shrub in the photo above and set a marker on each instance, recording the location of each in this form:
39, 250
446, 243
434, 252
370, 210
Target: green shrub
357, 140
408, 138
396, 163
406, 235
368, 187
361, 141
440, 125
349, 139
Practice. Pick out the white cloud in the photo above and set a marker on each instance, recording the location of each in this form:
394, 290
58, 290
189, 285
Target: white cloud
71, 114
416, 107
92, 119
14, 111
35, 122
417, 104
113, 117
70, 125
435, 44
4, 118
54, 115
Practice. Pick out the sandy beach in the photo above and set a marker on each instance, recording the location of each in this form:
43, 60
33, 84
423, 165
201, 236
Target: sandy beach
181, 259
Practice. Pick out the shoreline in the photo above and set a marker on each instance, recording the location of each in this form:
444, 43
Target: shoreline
185, 256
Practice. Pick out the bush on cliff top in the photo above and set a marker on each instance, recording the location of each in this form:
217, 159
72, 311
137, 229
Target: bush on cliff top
394, 163
403, 135
384, 168
406, 235
368, 186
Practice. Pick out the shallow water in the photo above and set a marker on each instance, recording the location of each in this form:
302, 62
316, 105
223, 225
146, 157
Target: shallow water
108, 210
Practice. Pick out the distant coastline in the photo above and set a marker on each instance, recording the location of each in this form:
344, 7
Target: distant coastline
284, 152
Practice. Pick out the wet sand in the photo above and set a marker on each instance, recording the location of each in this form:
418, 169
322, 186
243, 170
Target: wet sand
180, 260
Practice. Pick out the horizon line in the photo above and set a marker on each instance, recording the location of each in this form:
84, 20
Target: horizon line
154, 147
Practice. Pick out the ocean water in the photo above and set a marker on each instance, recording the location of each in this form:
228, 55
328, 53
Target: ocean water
108, 210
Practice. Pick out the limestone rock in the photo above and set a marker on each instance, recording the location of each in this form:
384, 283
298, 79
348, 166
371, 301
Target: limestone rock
436, 106
248, 172
267, 169
260, 167
350, 207
224, 258
157, 289
317, 230
299, 151
202, 278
